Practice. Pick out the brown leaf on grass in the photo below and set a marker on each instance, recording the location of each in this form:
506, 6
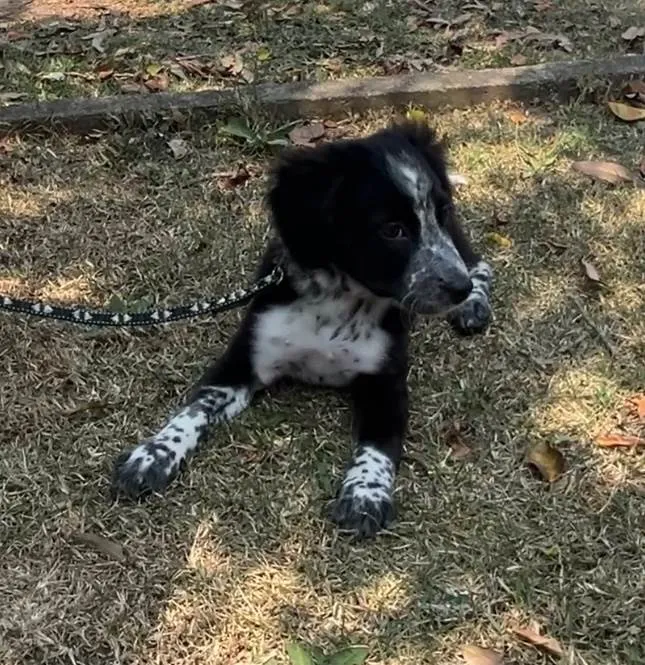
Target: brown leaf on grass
104, 74
516, 116
532, 636
307, 134
610, 172
547, 460
158, 83
616, 440
637, 405
518, 60
626, 112
192, 66
454, 438
233, 180
542, 5
634, 32
590, 270
103, 545
474, 655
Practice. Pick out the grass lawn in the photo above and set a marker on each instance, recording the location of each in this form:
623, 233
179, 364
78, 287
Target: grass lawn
238, 558
57, 48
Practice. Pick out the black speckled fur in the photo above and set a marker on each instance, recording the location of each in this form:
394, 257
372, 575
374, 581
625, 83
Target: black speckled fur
327, 207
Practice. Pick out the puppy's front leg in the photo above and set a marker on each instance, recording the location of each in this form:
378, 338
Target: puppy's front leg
225, 389
474, 314
364, 503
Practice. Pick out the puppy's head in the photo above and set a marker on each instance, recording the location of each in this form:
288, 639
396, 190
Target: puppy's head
378, 209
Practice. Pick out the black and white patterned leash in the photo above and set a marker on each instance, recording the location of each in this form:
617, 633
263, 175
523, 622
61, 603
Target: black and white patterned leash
151, 317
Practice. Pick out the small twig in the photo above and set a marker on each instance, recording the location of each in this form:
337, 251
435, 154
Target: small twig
594, 326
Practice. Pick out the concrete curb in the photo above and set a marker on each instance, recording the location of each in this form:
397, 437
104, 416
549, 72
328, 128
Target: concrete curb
453, 89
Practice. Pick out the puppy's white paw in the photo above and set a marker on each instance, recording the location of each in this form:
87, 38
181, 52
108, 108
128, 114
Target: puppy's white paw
364, 504
148, 467
474, 314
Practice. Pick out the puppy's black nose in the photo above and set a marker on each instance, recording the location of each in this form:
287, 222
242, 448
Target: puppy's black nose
458, 292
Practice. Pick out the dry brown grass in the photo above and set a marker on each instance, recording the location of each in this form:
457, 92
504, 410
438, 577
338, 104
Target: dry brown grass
238, 557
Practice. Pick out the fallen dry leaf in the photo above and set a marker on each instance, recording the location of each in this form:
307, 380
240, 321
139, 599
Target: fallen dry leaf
637, 404
590, 270
516, 116
233, 180
454, 438
195, 66
108, 547
632, 33
178, 147
626, 112
549, 461
307, 134
474, 655
619, 441
104, 74
610, 172
542, 5
499, 239
158, 83
532, 636
518, 60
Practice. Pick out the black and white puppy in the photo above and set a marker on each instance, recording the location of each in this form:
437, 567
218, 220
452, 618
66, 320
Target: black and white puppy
367, 236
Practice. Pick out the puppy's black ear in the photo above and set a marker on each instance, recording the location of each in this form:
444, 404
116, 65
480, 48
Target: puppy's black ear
303, 188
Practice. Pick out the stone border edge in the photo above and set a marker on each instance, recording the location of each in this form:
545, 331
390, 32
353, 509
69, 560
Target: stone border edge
457, 89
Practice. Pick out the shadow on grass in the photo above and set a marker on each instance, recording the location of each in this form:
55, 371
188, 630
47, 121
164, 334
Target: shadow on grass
238, 556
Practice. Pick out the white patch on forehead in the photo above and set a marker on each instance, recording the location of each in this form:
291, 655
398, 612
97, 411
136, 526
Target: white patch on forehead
411, 178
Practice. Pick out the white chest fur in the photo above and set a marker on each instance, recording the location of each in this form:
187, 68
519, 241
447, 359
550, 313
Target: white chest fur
321, 340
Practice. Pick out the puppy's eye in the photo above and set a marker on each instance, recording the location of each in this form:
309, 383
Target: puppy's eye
394, 231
